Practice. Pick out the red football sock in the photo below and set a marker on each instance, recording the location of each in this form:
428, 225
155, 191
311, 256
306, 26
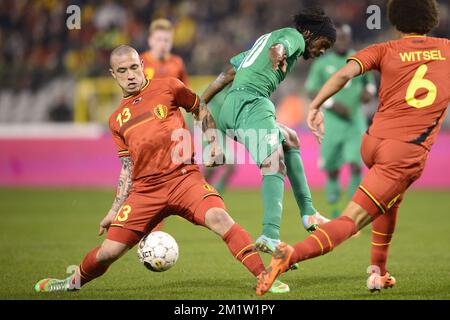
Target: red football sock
243, 249
90, 268
382, 230
324, 239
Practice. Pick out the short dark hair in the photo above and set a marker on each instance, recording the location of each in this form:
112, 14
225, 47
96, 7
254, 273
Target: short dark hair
413, 16
315, 20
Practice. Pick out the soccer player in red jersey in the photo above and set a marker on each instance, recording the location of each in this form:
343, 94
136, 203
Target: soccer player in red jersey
158, 176
414, 95
159, 62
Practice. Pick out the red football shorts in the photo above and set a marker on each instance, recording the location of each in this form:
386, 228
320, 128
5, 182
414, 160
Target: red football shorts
393, 166
188, 196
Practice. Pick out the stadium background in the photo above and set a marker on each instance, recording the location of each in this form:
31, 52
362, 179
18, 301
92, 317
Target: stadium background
57, 156
52, 78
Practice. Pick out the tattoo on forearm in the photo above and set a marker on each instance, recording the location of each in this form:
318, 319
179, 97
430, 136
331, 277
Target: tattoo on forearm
208, 121
124, 184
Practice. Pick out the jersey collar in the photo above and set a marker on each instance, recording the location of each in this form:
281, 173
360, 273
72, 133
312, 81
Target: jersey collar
135, 95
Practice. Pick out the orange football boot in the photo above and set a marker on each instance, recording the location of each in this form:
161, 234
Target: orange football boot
279, 264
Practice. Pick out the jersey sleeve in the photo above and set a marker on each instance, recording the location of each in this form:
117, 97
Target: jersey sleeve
122, 148
314, 81
184, 97
291, 39
237, 59
370, 57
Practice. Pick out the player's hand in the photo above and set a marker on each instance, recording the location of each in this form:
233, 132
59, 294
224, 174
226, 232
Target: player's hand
277, 54
216, 156
315, 123
105, 223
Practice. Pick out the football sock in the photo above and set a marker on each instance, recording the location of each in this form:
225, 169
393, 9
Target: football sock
332, 190
272, 193
355, 180
297, 178
243, 249
90, 268
220, 185
324, 239
383, 228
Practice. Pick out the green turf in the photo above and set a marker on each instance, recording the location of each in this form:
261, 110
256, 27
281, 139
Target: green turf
44, 231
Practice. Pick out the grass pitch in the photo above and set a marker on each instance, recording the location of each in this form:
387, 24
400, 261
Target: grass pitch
44, 231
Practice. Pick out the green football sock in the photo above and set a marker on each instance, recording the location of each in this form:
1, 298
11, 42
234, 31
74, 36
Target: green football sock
355, 180
332, 190
297, 178
220, 185
272, 193
333, 193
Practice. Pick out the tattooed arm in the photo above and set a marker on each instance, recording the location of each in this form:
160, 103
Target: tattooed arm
123, 189
202, 113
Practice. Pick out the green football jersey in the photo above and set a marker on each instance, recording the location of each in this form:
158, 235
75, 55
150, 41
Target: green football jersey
350, 96
254, 68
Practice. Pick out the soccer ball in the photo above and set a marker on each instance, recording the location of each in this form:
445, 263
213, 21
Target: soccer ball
158, 251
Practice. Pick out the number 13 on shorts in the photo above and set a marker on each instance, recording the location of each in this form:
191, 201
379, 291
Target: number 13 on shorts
122, 214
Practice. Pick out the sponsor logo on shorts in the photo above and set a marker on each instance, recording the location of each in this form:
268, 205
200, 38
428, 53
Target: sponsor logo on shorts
160, 111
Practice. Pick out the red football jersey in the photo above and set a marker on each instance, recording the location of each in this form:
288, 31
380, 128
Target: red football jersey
172, 66
414, 90
143, 125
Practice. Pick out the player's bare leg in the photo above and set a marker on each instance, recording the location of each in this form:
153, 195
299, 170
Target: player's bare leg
239, 243
93, 266
322, 241
311, 218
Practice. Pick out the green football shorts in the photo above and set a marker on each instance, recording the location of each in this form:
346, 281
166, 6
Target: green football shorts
249, 118
339, 149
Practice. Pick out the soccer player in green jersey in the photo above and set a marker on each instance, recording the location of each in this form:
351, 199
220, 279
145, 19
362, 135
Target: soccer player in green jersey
344, 119
248, 115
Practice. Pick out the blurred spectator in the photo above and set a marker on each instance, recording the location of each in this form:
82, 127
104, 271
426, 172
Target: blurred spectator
159, 62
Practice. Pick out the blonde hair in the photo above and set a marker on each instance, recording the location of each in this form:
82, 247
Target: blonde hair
160, 24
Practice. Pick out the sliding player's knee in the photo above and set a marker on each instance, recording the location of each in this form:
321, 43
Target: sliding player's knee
218, 220
358, 214
110, 251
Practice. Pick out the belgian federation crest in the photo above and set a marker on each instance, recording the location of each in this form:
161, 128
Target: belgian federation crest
160, 111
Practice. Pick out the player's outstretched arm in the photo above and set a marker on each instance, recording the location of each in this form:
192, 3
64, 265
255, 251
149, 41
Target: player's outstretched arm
224, 79
123, 189
209, 129
333, 85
